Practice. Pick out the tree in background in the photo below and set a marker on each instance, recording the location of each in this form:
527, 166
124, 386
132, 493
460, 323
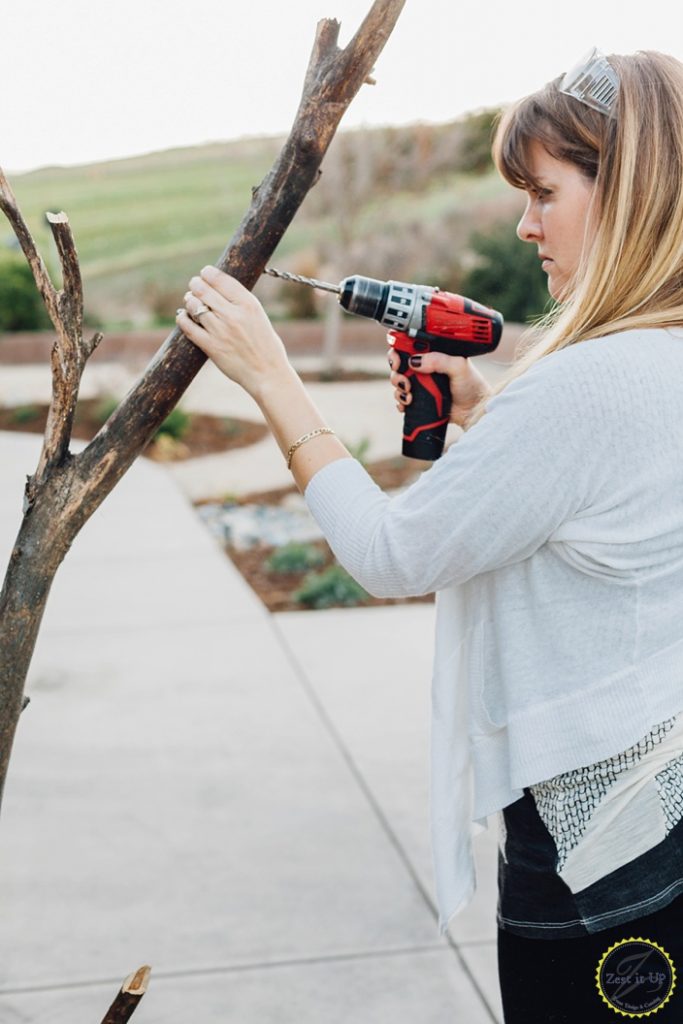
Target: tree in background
21, 307
507, 275
477, 129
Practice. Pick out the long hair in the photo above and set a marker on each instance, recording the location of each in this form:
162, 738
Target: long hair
631, 273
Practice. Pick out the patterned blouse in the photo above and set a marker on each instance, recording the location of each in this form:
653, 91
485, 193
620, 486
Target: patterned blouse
598, 846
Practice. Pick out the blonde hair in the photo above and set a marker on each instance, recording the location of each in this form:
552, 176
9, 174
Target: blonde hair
631, 274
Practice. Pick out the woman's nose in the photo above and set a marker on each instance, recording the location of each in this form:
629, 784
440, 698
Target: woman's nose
529, 227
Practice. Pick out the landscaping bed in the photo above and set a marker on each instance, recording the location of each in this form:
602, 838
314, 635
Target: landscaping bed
288, 575
182, 436
302, 573
321, 585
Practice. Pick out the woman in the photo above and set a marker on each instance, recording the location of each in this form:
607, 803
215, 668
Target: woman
552, 532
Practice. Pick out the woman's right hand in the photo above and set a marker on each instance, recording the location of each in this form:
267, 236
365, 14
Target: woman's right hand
467, 384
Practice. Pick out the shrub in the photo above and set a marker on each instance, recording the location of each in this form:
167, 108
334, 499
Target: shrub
294, 557
21, 307
477, 136
298, 300
105, 408
176, 425
359, 449
507, 275
231, 427
334, 586
25, 413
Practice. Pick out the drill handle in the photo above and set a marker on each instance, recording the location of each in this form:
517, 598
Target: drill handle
426, 418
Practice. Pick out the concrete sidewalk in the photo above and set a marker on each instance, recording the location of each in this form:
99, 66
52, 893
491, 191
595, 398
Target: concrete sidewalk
238, 799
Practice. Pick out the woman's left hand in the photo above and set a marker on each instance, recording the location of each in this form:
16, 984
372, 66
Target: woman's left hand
234, 332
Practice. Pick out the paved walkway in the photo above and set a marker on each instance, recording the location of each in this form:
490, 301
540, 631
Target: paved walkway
236, 798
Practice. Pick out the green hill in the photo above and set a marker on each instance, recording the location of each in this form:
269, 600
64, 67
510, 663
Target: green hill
391, 202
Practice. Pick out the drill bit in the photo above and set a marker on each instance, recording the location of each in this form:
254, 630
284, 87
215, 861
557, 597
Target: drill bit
298, 279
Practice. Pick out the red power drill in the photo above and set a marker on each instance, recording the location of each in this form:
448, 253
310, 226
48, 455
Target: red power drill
421, 319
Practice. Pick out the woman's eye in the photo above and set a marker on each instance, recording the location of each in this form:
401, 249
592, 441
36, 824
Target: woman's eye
542, 193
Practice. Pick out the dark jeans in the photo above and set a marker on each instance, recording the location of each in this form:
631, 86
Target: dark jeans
554, 981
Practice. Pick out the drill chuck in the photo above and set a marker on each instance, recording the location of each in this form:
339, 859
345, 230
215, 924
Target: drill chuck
394, 304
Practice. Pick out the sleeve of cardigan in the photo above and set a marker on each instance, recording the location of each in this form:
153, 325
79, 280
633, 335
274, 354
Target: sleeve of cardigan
494, 497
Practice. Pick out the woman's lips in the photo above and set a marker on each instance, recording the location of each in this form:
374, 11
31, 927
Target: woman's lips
545, 264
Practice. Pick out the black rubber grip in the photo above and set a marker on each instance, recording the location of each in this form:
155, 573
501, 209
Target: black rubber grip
426, 418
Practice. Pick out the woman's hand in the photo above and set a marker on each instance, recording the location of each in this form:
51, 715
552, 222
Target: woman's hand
467, 384
235, 332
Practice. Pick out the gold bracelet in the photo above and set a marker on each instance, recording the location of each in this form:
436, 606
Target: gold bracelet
302, 440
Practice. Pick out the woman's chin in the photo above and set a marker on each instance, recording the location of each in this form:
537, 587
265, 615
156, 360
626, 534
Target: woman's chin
557, 289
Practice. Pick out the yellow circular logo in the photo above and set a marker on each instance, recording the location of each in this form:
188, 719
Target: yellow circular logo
636, 977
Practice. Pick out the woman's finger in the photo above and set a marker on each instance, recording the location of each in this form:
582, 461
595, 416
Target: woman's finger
227, 286
393, 357
192, 330
210, 297
399, 381
200, 312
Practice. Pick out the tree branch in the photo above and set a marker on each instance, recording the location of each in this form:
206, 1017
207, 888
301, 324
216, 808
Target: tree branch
9, 206
67, 489
326, 96
69, 353
325, 48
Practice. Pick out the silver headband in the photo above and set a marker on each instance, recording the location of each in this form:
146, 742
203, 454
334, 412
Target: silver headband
593, 81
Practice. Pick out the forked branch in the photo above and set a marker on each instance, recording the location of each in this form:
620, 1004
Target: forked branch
67, 489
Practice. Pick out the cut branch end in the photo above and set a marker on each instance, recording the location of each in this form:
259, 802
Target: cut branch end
136, 983
128, 998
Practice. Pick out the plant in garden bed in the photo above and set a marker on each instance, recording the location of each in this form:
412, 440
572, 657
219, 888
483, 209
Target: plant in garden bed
282, 578
295, 557
23, 414
332, 587
181, 435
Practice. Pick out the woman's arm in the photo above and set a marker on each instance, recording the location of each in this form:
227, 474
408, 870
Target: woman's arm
496, 495
238, 336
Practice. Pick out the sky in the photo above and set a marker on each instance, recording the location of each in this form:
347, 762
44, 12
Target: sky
86, 80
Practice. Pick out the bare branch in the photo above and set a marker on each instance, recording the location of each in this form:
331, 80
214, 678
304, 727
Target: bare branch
9, 206
361, 53
324, 50
130, 994
91, 344
70, 352
71, 304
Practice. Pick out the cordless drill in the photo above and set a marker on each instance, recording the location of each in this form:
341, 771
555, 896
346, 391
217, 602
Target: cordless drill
421, 319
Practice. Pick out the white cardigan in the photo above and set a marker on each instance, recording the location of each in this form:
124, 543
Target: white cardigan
552, 531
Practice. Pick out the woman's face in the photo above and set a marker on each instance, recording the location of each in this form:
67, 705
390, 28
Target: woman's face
555, 216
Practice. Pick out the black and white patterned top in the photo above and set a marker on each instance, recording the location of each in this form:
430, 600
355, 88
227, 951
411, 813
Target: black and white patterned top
598, 846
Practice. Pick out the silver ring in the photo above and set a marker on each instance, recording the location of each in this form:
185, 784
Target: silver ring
201, 311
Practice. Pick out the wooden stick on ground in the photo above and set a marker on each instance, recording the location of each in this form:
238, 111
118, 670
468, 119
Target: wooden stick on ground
130, 994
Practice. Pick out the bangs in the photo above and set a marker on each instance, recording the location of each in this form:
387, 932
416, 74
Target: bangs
547, 118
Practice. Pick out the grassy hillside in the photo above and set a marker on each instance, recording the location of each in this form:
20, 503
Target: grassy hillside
144, 225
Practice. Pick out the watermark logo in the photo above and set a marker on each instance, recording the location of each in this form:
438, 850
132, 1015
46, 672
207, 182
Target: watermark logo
636, 977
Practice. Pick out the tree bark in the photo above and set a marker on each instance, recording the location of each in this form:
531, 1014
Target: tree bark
66, 489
